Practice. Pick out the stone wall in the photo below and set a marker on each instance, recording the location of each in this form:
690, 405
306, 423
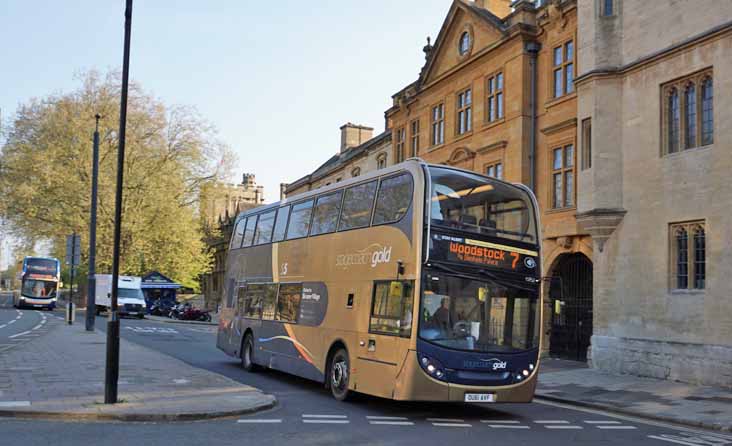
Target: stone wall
701, 364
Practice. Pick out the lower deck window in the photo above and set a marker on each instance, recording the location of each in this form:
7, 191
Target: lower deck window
391, 308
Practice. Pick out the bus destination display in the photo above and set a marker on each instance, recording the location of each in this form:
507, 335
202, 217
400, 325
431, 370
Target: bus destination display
465, 250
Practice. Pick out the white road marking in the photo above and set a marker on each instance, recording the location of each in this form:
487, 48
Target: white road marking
452, 424
386, 418
629, 418
324, 416
13, 321
319, 421
615, 427
181, 381
18, 334
602, 422
672, 440
37, 327
562, 426
500, 421
15, 403
508, 426
392, 423
260, 421
3, 325
551, 421
446, 420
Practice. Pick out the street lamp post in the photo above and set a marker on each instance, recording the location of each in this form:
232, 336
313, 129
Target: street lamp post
112, 369
91, 293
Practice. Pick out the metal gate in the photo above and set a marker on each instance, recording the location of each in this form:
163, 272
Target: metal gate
571, 308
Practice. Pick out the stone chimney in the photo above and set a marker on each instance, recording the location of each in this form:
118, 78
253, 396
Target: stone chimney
283, 190
353, 135
499, 8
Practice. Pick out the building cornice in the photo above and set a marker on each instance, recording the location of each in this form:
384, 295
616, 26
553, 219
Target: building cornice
550, 130
609, 72
495, 146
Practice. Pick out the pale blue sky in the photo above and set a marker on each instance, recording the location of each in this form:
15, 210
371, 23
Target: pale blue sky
277, 78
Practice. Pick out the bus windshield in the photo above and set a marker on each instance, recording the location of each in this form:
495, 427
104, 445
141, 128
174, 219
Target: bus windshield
38, 288
478, 315
471, 203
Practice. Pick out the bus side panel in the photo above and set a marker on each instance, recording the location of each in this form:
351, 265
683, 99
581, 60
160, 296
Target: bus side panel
281, 348
225, 339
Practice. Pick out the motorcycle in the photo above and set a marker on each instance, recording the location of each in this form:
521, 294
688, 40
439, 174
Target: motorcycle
195, 314
177, 310
162, 308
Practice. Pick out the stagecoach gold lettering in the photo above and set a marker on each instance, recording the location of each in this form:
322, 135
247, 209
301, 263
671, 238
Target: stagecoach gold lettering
373, 255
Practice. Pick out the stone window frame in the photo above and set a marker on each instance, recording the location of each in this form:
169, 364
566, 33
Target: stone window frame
586, 137
437, 123
562, 68
694, 262
464, 111
680, 87
563, 171
496, 165
356, 171
607, 8
400, 138
466, 31
381, 160
414, 137
495, 97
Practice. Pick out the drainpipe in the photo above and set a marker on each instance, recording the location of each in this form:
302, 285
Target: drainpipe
533, 49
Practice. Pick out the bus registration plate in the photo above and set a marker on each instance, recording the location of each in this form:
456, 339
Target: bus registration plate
480, 397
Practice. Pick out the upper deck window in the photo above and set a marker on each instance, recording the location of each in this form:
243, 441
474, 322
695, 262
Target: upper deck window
281, 224
300, 220
470, 203
249, 231
326, 213
395, 195
357, 206
238, 233
263, 234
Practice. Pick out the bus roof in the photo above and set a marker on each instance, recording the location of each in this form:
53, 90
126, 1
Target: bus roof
412, 165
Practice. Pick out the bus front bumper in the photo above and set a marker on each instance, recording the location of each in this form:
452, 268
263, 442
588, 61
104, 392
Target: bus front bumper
37, 303
414, 384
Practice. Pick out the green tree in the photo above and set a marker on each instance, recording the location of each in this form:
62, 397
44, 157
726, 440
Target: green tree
171, 152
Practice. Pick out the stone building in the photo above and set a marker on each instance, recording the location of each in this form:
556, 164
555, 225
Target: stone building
221, 198
220, 204
360, 152
655, 189
496, 96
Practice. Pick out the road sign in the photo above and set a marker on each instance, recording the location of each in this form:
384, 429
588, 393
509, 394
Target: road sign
73, 250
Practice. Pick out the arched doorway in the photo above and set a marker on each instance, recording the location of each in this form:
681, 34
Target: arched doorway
571, 307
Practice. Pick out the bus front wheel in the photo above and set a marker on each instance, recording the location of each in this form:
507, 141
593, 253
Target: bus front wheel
247, 350
339, 375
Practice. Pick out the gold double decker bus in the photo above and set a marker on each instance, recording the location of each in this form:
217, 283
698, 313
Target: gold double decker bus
414, 282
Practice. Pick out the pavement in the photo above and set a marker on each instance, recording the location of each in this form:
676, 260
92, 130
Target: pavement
59, 373
662, 400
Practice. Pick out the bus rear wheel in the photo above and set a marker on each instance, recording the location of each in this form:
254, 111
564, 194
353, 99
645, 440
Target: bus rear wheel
247, 351
339, 375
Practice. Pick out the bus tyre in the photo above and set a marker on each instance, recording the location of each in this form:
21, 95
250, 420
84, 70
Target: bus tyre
339, 375
247, 353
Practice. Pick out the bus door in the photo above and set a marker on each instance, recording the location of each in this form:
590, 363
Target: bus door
382, 349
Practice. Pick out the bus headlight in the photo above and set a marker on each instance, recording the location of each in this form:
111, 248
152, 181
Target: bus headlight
432, 366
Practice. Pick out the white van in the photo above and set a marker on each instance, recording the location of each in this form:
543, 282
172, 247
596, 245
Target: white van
130, 300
